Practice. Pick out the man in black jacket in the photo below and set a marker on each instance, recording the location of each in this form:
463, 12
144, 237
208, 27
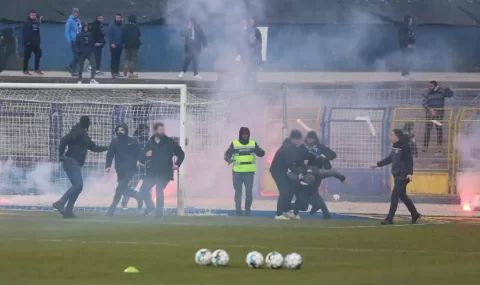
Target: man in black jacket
98, 34
434, 104
86, 50
126, 150
131, 37
406, 40
242, 154
195, 41
402, 170
158, 154
31, 41
254, 53
287, 159
78, 142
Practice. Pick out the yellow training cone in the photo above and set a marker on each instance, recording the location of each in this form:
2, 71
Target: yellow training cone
131, 269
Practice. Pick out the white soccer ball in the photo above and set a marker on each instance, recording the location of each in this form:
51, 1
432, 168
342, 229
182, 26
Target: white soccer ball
336, 198
274, 260
254, 259
220, 258
293, 261
203, 257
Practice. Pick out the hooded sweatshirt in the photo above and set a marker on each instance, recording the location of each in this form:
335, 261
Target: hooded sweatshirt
287, 158
98, 32
125, 150
406, 35
78, 142
31, 32
131, 33
84, 42
315, 151
401, 159
115, 34
243, 130
72, 28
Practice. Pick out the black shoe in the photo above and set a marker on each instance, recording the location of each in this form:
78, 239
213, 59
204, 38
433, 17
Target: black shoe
387, 222
416, 218
314, 210
147, 212
74, 74
69, 215
239, 213
59, 207
248, 213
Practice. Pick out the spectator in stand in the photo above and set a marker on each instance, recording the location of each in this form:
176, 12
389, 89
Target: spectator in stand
434, 104
98, 33
254, 61
72, 28
194, 43
86, 50
406, 39
131, 37
31, 42
8, 47
115, 40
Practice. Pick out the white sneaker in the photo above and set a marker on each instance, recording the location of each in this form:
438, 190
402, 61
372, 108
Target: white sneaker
289, 215
297, 217
79, 82
181, 74
198, 77
281, 218
93, 81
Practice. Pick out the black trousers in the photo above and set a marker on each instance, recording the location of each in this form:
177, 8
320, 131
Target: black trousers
429, 126
115, 55
37, 51
191, 57
123, 190
400, 192
240, 179
82, 58
98, 57
147, 185
286, 189
74, 172
407, 54
73, 65
308, 195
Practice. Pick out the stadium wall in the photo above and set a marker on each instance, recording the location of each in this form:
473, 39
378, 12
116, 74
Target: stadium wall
293, 48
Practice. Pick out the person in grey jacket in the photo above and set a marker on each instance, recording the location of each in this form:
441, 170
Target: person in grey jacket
434, 104
402, 170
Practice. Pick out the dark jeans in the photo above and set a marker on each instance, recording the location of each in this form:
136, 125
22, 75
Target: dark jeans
147, 185
37, 51
193, 58
240, 179
407, 54
74, 172
115, 55
287, 191
131, 59
74, 63
400, 192
98, 57
91, 58
429, 127
123, 190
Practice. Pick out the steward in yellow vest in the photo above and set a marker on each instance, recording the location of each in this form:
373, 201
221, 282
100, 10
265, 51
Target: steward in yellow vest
242, 153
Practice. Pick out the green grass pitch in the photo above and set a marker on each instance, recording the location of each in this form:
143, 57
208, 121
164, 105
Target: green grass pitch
38, 248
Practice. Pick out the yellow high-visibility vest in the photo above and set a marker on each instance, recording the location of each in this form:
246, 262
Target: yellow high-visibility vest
244, 156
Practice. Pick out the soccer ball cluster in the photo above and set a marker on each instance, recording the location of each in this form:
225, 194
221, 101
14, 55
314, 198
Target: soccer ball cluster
254, 259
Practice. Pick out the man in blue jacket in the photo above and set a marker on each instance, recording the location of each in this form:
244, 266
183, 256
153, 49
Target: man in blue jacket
115, 41
72, 28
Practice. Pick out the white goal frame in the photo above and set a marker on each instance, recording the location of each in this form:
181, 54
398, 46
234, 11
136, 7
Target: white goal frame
182, 103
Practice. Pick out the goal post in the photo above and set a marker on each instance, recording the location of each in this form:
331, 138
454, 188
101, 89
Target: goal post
47, 111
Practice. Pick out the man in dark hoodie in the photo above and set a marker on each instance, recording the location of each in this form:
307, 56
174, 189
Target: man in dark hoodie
131, 37
159, 152
31, 42
78, 142
242, 154
126, 150
434, 104
195, 41
115, 41
402, 170
406, 40
98, 33
86, 50
287, 159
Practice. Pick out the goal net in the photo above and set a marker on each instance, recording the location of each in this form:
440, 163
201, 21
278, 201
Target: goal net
34, 117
